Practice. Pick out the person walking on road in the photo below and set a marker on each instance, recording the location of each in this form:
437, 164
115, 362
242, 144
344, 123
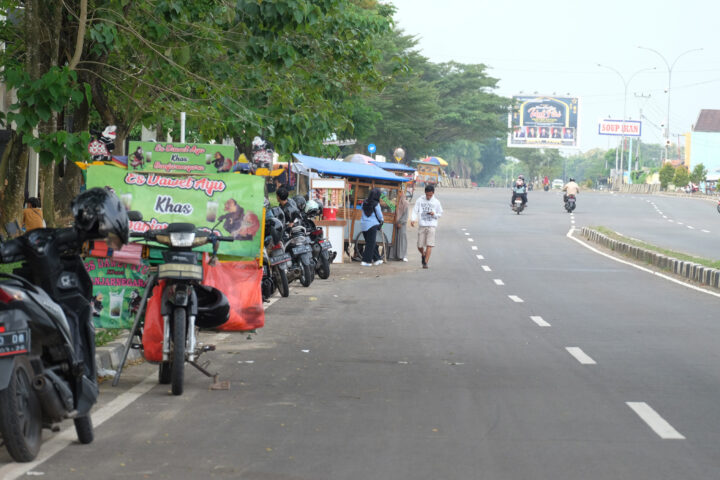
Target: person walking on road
370, 222
428, 209
401, 217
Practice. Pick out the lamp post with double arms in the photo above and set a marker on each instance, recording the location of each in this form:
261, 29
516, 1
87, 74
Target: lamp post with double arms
670, 67
626, 83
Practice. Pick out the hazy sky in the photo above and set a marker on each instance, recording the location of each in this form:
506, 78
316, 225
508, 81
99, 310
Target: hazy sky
554, 46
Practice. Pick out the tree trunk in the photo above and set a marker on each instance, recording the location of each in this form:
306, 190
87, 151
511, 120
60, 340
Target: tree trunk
12, 190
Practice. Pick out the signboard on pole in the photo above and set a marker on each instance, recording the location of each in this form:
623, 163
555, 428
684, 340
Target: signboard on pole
627, 128
541, 121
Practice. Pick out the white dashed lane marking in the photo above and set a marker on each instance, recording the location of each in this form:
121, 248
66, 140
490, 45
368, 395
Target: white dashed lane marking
515, 299
498, 281
580, 356
539, 321
480, 257
659, 425
487, 268
474, 247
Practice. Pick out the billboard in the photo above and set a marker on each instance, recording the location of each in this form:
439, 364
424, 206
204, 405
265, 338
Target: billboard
627, 128
541, 121
180, 158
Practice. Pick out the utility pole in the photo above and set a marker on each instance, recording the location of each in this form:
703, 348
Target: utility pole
646, 98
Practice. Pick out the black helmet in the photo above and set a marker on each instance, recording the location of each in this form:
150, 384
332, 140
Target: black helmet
99, 213
300, 202
571, 179
277, 212
213, 307
275, 228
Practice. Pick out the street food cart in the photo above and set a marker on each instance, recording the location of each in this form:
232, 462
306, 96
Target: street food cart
361, 178
401, 170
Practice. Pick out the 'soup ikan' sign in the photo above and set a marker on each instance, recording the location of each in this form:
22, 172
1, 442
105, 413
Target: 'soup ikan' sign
627, 128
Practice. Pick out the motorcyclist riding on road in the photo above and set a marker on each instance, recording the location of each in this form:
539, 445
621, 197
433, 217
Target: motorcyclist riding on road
519, 190
570, 188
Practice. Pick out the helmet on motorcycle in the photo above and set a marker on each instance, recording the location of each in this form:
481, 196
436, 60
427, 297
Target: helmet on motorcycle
312, 208
300, 202
213, 307
99, 213
278, 213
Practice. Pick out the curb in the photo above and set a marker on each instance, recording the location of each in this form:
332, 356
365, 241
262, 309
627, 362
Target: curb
692, 271
107, 357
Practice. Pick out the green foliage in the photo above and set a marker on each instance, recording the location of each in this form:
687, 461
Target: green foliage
699, 173
666, 174
681, 176
38, 100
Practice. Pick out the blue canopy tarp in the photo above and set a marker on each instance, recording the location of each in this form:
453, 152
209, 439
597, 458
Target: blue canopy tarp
346, 169
394, 167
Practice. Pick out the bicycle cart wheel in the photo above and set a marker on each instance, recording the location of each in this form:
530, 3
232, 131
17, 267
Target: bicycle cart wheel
382, 243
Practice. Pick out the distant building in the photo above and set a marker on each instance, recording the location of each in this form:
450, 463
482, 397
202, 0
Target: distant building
702, 144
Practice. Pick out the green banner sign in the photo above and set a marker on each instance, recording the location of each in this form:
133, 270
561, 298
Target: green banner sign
170, 157
231, 203
117, 291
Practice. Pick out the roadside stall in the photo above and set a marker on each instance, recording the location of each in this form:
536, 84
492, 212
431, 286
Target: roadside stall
360, 178
430, 170
401, 170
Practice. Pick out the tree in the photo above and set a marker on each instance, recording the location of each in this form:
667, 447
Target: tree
699, 173
666, 174
681, 177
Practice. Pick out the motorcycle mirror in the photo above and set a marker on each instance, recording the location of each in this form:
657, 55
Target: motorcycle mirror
134, 215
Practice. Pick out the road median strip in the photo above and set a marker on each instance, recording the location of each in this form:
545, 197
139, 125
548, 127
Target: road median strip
685, 268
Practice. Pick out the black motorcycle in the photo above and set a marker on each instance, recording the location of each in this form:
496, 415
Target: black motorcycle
186, 302
275, 259
322, 255
570, 203
47, 337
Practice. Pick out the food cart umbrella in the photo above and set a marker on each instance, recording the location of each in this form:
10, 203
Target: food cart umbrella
435, 161
359, 158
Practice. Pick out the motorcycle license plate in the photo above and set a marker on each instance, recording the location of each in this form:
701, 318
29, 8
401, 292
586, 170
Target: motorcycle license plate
285, 257
14, 343
301, 249
326, 245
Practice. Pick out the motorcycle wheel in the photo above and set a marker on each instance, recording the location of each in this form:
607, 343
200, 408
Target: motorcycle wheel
177, 375
21, 414
323, 270
84, 429
164, 373
307, 275
281, 281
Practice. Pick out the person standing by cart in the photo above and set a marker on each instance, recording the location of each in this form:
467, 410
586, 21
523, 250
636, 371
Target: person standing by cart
401, 218
428, 209
370, 222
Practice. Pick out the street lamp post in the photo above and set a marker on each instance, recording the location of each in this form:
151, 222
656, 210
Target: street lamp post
626, 83
670, 67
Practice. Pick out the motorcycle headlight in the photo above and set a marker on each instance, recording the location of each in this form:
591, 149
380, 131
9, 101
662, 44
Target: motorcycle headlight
182, 239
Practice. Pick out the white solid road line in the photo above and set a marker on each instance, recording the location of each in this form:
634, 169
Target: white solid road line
487, 268
655, 421
515, 298
498, 281
12, 471
646, 270
580, 356
539, 321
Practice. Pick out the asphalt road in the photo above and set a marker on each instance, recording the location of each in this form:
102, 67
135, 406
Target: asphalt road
519, 354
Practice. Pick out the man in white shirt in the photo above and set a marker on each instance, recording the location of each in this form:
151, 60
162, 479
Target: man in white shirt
428, 209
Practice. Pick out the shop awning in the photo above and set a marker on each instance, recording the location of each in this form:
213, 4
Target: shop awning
346, 169
394, 167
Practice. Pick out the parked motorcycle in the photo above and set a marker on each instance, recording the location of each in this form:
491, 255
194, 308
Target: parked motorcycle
103, 143
322, 255
518, 206
570, 203
275, 259
47, 337
187, 304
297, 244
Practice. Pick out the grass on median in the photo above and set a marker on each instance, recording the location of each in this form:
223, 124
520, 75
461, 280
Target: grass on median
669, 253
